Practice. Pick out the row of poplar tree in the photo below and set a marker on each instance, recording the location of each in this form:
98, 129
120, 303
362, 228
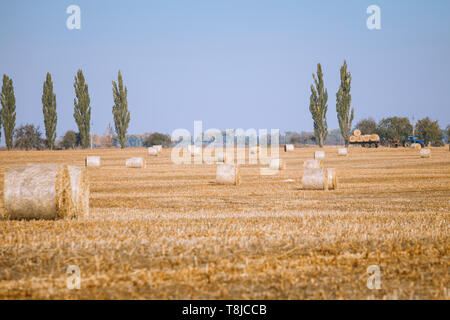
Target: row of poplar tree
318, 105
82, 110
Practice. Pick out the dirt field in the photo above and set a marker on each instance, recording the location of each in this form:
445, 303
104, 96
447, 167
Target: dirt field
168, 232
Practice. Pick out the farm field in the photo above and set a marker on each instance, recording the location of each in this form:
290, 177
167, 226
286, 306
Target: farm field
169, 232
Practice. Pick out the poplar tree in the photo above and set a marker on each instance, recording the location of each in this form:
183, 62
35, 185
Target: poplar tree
345, 113
120, 110
318, 107
82, 110
8, 112
49, 110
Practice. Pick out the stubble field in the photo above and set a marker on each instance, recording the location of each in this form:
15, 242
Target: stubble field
168, 232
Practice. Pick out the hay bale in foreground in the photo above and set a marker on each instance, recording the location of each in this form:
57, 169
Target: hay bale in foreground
277, 164
92, 161
357, 133
136, 162
152, 151
288, 147
315, 179
313, 164
342, 152
332, 179
38, 192
425, 153
228, 174
320, 155
79, 184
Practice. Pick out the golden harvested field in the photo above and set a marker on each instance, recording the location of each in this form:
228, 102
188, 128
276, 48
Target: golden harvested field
168, 232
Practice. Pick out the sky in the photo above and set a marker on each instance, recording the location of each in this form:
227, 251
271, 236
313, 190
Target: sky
229, 63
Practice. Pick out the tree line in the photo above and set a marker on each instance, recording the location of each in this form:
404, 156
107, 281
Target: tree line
388, 128
29, 136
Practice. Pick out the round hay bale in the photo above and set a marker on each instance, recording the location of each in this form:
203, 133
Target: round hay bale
158, 147
254, 150
92, 161
342, 152
416, 146
313, 164
220, 157
353, 139
38, 192
228, 174
366, 138
315, 179
357, 133
320, 155
425, 153
359, 139
79, 184
332, 179
277, 164
288, 147
152, 151
374, 137
136, 162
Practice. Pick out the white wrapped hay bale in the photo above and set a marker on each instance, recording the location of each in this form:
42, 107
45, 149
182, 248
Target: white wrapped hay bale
313, 164
320, 155
220, 157
136, 162
92, 161
315, 179
228, 174
342, 152
38, 192
425, 153
288, 147
332, 179
80, 190
254, 150
152, 151
158, 147
277, 164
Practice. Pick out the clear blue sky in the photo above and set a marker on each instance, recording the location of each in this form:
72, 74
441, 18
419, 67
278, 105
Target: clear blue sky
231, 63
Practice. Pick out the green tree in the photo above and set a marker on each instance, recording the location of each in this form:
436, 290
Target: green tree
120, 110
157, 138
49, 110
318, 107
82, 110
447, 132
8, 112
394, 127
429, 131
28, 137
367, 126
345, 113
70, 140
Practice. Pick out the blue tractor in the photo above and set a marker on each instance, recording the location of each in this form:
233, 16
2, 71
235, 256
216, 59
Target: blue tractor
411, 140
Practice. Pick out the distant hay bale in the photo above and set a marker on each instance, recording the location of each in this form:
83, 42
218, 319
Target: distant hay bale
288, 147
374, 137
332, 179
136, 162
158, 147
342, 152
152, 151
228, 174
416, 146
220, 157
80, 190
315, 179
425, 153
254, 150
357, 133
92, 161
353, 139
277, 164
38, 192
320, 155
313, 164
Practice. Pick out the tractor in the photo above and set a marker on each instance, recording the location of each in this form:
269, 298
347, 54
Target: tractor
411, 140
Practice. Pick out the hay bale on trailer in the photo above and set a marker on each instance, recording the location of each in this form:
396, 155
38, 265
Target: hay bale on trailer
312, 164
79, 184
92, 161
315, 179
228, 174
288, 147
342, 152
332, 179
136, 162
425, 153
357, 133
152, 151
353, 139
320, 155
38, 192
277, 164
